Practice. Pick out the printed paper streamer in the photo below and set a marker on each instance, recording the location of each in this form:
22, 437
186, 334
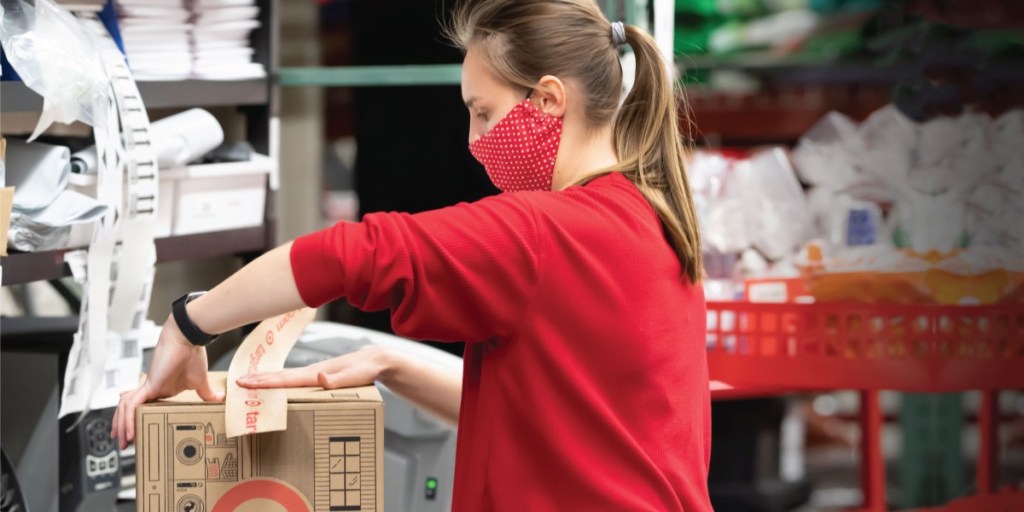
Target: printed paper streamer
251, 411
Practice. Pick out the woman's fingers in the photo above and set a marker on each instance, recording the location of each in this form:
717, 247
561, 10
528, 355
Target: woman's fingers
290, 378
122, 424
359, 368
122, 419
115, 424
207, 393
134, 401
347, 378
329, 380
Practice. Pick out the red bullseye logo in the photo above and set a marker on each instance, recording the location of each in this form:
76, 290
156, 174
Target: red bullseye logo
279, 492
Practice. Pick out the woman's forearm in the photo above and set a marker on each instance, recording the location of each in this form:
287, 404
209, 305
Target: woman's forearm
260, 290
428, 387
266, 288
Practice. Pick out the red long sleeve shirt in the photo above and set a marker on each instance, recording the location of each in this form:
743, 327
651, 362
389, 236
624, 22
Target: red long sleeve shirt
586, 383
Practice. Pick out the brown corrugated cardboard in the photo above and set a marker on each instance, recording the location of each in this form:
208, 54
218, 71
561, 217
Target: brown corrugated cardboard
329, 459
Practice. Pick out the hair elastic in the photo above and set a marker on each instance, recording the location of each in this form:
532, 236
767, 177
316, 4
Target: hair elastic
618, 34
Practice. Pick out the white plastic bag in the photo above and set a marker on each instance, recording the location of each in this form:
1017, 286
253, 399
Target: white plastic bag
779, 216
720, 210
1007, 133
890, 139
827, 154
55, 57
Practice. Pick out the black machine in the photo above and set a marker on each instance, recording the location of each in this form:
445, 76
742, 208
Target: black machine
90, 471
62, 466
11, 499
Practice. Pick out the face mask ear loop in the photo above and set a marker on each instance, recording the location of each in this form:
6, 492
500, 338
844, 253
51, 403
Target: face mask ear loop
529, 93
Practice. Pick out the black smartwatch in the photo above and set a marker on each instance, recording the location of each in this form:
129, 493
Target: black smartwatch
192, 333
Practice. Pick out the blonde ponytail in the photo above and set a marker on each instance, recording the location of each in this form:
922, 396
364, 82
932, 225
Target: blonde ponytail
652, 152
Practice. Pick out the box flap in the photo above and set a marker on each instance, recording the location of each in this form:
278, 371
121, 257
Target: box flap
218, 380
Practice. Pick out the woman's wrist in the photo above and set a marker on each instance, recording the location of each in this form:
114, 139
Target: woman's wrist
392, 366
172, 329
200, 313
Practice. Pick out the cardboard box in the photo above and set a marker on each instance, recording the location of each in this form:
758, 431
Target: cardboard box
330, 458
196, 199
218, 197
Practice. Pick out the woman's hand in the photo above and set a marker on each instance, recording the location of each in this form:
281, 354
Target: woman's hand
360, 368
262, 289
428, 387
177, 366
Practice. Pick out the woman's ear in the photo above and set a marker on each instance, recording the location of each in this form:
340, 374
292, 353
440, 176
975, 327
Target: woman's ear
549, 96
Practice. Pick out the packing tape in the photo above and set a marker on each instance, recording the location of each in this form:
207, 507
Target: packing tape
251, 411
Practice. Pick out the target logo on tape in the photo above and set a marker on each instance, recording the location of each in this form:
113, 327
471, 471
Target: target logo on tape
263, 495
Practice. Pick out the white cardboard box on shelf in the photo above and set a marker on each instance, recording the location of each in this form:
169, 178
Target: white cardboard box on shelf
199, 198
219, 197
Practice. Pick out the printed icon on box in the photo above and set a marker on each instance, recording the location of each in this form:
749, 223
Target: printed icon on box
213, 468
219, 440
221, 453
189, 451
229, 471
252, 493
190, 503
345, 476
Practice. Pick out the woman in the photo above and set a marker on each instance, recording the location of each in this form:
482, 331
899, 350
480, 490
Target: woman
577, 291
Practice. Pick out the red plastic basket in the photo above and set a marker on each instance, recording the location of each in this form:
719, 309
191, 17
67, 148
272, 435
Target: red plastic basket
866, 346
759, 348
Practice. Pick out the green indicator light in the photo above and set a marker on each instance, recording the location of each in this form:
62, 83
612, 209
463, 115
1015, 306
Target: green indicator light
431, 483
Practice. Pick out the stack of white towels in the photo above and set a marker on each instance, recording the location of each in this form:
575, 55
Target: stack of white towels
220, 39
157, 37
82, 5
181, 39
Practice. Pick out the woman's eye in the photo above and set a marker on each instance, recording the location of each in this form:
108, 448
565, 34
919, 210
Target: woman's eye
483, 116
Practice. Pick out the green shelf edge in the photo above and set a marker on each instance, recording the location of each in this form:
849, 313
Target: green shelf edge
370, 76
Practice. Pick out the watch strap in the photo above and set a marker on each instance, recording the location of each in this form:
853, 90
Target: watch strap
192, 332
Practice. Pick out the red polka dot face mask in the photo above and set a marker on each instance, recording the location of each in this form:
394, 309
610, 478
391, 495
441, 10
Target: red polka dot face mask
519, 152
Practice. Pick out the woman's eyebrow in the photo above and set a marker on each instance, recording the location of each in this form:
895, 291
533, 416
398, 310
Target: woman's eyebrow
471, 101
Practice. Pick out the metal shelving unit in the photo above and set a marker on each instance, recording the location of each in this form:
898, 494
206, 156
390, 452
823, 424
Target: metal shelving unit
819, 70
16, 97
46, 341
771, 98
796, 91
410, 75
362, 76
253, 97
23, 268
